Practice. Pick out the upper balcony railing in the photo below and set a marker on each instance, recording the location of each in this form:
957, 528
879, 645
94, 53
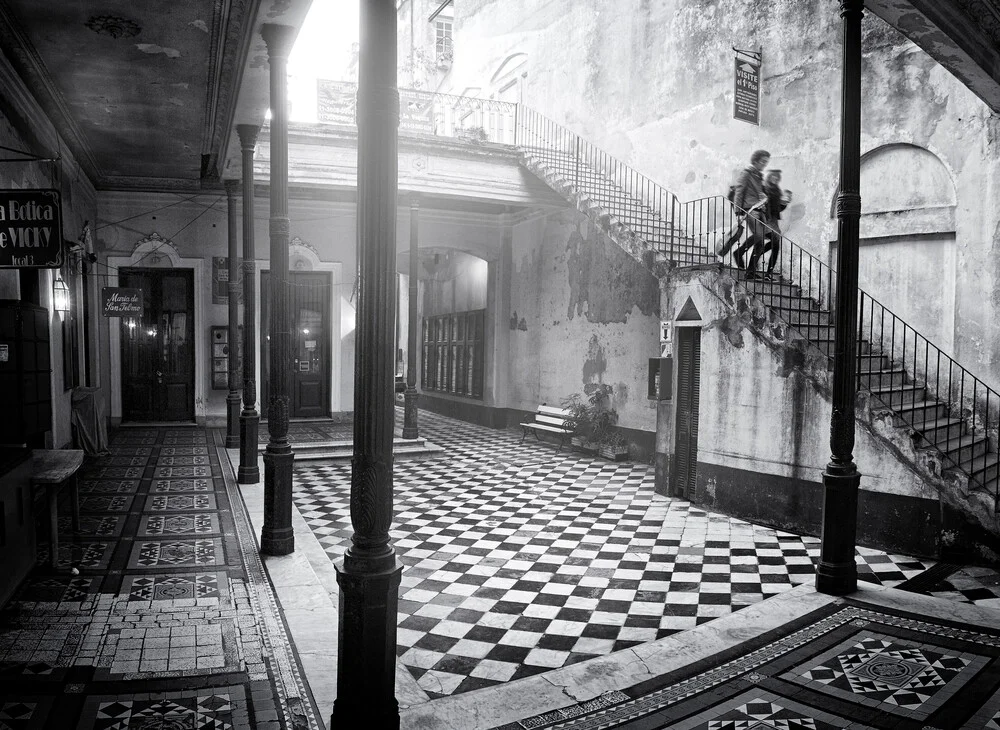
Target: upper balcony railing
466, 118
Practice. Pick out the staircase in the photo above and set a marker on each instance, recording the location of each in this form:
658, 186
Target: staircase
943, 407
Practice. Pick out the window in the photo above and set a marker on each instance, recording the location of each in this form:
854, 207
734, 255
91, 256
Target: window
442, 38
454, 352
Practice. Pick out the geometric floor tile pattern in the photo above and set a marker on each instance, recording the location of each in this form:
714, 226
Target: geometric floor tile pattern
519, 559
169, 620
846, 665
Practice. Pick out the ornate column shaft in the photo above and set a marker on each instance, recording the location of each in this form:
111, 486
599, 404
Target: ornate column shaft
837, 572
369, 575
249, 472
276, 535
233, 291
410, 396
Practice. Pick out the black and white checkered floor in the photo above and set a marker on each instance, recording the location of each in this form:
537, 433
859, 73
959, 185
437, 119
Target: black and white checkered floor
520, 559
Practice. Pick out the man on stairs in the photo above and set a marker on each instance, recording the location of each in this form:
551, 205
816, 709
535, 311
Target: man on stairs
750, 197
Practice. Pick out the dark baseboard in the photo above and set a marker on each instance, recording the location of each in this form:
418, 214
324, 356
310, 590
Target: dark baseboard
891, 522
465, 410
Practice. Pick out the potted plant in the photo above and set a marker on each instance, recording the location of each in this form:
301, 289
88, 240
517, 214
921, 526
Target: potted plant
613, 447
580, 421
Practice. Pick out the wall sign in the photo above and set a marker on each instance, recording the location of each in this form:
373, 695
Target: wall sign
121, 302
220, 279
4, 353
30, 229
746, 95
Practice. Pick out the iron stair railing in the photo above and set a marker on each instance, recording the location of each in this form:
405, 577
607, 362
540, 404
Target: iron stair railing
961, 427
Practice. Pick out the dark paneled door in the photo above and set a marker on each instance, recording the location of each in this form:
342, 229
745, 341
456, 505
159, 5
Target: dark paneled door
309, 307
685, 472
158, 347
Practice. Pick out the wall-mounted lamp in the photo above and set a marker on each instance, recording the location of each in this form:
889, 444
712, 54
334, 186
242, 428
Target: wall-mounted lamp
60, 296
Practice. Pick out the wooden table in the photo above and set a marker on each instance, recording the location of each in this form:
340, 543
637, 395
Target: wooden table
53, 469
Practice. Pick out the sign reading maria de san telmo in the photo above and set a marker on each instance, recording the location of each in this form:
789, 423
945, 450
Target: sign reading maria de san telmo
746, 99
30, 229
121, 302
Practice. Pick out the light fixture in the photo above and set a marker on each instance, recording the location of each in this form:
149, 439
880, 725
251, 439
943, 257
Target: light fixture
60, 296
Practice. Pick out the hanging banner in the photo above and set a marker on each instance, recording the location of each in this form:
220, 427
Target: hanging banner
746, 98
30, 229
121, 302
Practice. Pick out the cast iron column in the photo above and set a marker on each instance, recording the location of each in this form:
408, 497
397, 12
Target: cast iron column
837, 573
233, 292
276, 535
249, 472
410, 396
369, 575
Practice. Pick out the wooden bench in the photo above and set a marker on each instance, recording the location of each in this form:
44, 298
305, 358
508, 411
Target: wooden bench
549, 420
53, 469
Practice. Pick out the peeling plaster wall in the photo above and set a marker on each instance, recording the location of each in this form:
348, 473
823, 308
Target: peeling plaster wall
651, 82
583, 312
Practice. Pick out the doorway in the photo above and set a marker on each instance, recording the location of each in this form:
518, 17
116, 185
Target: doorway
309, 308
685, 472
157, 348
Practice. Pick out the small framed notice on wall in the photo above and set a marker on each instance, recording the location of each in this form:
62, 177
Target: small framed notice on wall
220, 357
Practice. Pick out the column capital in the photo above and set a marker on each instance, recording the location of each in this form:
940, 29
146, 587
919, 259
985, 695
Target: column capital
279, 39
233, 187
414, 199
248, 135
851, 6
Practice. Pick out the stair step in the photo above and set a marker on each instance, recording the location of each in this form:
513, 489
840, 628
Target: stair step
796, 317
771, 287
964, 448
879, 379
983, 469
872, 362
900, 395
936, 430
786, 302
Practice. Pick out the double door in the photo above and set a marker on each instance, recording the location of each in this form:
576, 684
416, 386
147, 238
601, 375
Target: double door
157, 347
309, 312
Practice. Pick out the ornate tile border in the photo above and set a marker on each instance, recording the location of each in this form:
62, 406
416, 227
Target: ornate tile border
745, 666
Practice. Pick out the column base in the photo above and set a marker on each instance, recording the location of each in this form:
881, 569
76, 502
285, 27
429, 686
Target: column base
366, 663
837, 572
248, 472
410, 413
233, 420
276, 536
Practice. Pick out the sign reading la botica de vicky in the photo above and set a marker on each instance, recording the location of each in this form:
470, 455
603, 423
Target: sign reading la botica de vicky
30, 229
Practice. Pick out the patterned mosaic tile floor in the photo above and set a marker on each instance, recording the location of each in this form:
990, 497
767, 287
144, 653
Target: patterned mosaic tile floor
847, 665
170, 622
520, 559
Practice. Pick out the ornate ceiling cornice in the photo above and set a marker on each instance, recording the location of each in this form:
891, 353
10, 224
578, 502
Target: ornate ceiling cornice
985, 14
232, 35
148, 184
35, 76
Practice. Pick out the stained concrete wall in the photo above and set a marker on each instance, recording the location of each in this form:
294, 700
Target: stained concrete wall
763, 435
651, 82
582, 312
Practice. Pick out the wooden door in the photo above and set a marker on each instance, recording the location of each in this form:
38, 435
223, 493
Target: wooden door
685, 470
158, 347
309, 309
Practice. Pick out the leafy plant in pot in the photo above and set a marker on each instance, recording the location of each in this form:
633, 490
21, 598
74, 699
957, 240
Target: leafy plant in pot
594, 422
580, 421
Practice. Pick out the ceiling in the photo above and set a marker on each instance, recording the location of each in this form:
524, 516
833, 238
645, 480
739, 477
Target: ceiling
146, 94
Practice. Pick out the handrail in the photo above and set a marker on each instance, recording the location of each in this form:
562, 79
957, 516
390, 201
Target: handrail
468, 118
622, 190
695, 232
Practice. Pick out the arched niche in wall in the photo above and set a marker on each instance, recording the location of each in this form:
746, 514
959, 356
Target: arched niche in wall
506, 82
907, 240
452, 280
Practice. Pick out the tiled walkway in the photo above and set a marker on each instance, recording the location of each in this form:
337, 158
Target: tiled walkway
520, 559
170, 622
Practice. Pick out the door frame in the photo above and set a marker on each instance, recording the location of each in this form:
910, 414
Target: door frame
156, 252
687, 326
311, 264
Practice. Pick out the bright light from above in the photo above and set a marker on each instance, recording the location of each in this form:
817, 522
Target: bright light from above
305, 331
322, 50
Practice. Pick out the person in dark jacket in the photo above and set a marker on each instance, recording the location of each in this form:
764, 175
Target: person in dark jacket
749, 198
777, 201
